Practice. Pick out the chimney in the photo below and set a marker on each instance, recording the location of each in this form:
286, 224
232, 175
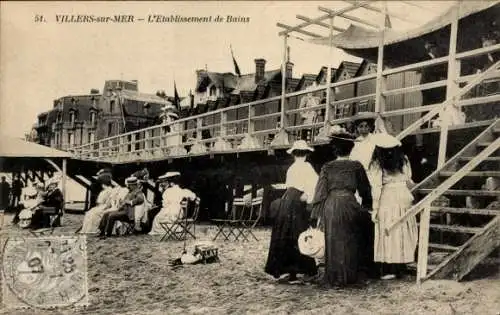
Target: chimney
289, 69
94, 91
288, 65
260, 68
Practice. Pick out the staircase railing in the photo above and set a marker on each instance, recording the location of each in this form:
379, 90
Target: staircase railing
451, 100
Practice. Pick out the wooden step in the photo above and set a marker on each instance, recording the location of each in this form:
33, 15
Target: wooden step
466, 210
488, 159
484, 143
473, 174
444, 247
458, 192
455, 228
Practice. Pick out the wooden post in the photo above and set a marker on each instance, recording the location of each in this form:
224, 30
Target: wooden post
283, 82
63, 183
199, 125
328, 76
423, 244
451, 85
223, 126
381, 86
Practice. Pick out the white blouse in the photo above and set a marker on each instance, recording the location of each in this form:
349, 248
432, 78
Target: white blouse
363, 151
302, 176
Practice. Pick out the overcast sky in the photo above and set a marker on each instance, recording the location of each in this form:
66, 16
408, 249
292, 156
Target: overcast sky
40, 62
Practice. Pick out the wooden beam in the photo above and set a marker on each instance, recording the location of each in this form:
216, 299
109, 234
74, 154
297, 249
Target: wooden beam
298, 30
348, 17
329, 76
380, 83
321, 18
477, 248
451, 87
447, 184
375, 9
304, 18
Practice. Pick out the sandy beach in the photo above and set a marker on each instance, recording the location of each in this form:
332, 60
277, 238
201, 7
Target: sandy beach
131, 275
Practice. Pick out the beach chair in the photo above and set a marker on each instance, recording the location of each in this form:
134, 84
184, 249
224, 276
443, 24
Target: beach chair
54, 222
180, 229
242, 219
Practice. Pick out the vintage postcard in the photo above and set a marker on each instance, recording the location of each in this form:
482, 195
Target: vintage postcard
250, 157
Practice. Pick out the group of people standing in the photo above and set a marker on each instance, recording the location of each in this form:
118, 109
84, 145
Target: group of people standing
352, 201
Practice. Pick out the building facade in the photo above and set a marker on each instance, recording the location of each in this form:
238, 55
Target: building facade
76, 120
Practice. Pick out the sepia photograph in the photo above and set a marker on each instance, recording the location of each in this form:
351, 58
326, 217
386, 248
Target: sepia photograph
250, 157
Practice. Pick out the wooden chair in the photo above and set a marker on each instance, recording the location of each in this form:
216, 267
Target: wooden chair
181, 228
241, 220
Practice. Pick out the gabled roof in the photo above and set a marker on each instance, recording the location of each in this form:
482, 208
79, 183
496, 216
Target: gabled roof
350, 67
322, 74
14, 147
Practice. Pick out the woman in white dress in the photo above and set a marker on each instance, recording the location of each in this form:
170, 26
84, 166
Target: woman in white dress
93, 216
391, 176
172, 196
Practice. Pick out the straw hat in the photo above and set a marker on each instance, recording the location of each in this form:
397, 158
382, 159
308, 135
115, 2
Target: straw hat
385, 140
31, 191
168, 175
131, 181
312, 243
300, 145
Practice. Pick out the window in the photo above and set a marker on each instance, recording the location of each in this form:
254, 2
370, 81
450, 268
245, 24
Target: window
92, 117
110, 128
71, 139
213, 91
112, 106
72, 117
57, 138
91, 137
59, 117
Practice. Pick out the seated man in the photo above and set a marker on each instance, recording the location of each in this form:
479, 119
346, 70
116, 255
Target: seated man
51, 205
125, 208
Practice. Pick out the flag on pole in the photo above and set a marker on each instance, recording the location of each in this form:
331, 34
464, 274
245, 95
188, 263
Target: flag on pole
387, 23
177, 99
236, 68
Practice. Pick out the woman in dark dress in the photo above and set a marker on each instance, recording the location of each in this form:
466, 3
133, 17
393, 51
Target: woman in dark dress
340, 214
292, 218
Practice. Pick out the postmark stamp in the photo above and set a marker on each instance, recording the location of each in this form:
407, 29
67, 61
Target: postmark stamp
44, 272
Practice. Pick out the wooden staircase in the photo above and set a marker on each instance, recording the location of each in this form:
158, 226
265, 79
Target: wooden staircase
460, 237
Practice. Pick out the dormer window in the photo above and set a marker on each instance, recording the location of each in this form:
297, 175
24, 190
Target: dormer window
72, 117
112, 106
59, 117
92, 117
213, 91
145, 108
94, 102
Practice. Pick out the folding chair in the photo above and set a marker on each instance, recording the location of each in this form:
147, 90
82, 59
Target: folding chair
242, 219
181, 228
50, 230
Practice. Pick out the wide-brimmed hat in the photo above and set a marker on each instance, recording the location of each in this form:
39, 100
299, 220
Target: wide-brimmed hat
300, 145
363, 116
53, 181
132, 180
168, 175
30, 191
385, 140
103, 171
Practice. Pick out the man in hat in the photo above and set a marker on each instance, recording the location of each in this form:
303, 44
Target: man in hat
363, 147
126, 208
52, 205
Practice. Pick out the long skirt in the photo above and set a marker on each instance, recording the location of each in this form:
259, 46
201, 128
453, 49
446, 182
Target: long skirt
292, 218
344, 237
399, 246
92, 218
167, 215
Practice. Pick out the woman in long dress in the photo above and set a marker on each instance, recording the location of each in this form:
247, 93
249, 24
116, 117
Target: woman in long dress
93, 216
172, 197
284, 259
339, 213
391, 175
